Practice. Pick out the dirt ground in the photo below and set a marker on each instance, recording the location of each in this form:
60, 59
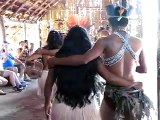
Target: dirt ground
25, 105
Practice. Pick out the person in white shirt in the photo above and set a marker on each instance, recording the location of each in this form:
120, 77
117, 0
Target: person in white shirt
17, 86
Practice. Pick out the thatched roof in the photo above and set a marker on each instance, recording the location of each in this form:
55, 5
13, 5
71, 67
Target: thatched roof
26, 10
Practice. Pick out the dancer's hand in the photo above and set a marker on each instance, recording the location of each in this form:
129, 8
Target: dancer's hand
48, 110
51, 63
138, 85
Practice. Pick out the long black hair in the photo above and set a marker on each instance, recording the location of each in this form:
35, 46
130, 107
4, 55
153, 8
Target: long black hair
76, 84
54, 40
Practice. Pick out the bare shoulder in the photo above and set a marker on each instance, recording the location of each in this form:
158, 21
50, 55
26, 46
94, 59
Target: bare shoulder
101, 40
136, 40
136, 43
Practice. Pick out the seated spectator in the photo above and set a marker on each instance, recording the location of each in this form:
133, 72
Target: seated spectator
17, 85
31, 49
9, 62
22, 52
102, 32
3, 82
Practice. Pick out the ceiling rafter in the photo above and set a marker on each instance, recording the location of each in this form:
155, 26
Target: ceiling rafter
4, 4
45, 12
37, 8
31, 7
45, 9
20, 7
9, 6
26, 10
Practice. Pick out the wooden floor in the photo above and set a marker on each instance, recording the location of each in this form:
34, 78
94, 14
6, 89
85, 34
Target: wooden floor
21, 106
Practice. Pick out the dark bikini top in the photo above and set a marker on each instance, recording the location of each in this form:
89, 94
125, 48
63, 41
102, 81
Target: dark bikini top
126, 47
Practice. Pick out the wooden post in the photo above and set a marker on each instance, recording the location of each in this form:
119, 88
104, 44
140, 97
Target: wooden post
25, 31
2, 30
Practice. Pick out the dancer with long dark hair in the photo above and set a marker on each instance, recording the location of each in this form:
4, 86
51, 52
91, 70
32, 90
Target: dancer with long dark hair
40, 69
77, 85
123, 56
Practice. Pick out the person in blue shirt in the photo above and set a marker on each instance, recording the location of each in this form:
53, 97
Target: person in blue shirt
9, 61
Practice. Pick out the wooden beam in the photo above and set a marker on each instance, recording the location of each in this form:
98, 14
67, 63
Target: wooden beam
9, 6
23, 4
32, 7
44, 10
2, 30
4, 4
12, 4
38, 9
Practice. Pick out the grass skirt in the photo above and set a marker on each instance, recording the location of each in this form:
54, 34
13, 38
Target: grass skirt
129, 101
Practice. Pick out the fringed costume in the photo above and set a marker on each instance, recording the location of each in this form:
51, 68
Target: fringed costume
128, 102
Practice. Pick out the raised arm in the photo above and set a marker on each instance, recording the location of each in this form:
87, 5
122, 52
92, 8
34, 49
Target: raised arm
142, 68
33, 57
18, 61
47, 52
76, 60
113, 79
20, 52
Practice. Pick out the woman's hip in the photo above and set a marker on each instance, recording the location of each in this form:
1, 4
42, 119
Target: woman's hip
61, 111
